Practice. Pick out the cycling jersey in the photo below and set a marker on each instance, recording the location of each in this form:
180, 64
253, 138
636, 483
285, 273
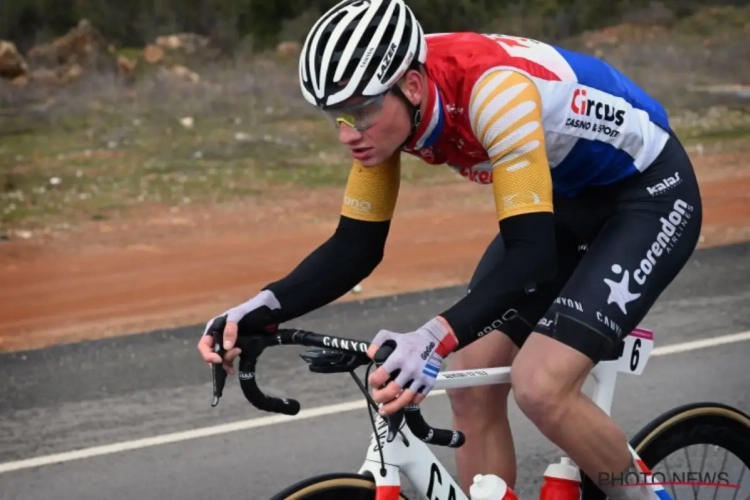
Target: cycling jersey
538, 123
527, 117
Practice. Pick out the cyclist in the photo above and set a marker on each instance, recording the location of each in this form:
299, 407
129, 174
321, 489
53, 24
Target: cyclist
597, 204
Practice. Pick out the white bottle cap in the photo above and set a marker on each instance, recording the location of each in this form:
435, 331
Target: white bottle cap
566, 469
488, 487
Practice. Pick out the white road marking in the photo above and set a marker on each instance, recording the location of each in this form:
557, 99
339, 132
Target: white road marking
700, 344
321, 411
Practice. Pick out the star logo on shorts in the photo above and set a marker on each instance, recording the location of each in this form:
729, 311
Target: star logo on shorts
620, 293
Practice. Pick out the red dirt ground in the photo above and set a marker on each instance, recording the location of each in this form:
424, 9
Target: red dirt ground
159, 269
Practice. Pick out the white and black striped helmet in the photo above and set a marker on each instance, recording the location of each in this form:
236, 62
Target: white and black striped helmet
359, 48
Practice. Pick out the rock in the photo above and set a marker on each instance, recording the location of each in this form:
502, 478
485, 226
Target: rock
12, 65
171, 42
83, 48
187, 122
153, 54
182, 49
288, 49
188, 43
185, 74
20, 81
47, 76
71, 73
125, 65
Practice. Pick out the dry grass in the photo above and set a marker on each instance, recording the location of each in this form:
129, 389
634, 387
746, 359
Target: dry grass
100, 146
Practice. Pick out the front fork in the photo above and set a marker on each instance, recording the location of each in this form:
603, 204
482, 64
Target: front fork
647, 475
387, 487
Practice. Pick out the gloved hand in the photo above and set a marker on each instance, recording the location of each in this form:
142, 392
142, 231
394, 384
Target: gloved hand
252, 316
418, 357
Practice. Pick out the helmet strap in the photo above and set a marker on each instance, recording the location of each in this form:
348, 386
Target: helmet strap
414, 111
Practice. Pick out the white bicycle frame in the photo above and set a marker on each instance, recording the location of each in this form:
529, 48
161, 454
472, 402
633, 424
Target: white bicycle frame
425, 472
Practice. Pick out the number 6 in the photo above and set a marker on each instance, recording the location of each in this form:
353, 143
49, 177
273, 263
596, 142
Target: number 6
635, 355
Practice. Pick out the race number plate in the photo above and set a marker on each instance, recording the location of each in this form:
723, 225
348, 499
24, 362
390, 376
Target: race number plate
638, 347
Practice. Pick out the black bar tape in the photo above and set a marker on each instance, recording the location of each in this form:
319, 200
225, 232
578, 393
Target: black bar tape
255, 396
439, 437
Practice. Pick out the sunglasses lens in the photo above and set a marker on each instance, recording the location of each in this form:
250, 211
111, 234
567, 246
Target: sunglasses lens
360, 116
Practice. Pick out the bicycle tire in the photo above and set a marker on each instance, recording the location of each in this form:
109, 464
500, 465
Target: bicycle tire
334, 486
695, 423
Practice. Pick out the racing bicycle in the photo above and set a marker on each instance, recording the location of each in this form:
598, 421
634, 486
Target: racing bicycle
399, 443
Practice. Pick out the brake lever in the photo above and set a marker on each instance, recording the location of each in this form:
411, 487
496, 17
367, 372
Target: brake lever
394, 425
218, 373
395, 420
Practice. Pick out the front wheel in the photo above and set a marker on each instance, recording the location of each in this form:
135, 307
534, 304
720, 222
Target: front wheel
336, 486
710, 424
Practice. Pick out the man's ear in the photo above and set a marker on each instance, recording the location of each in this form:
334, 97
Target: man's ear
413, 87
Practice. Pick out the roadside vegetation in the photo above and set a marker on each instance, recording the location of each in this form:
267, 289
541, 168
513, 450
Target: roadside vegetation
90, 126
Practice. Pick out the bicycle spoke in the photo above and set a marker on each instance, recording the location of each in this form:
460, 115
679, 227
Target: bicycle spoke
739, 482
716, 491
723, 467
690, 467
669, 475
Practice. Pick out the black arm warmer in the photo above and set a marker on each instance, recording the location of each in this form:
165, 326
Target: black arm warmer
334, 268
530, 258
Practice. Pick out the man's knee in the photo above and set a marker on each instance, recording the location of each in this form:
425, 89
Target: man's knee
482, 403
546, 376
537, 393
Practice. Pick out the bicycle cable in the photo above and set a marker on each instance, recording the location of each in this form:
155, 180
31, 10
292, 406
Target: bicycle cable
374, 404
371, 405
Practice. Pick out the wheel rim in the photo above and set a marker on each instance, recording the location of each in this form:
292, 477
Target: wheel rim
711, 463
703, 472
337, 488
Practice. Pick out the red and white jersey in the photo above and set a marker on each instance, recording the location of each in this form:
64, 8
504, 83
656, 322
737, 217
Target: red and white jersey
525, 116
598, 125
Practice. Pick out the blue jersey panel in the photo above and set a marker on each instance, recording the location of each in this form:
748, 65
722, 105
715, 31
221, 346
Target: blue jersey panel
598, 74
591, 163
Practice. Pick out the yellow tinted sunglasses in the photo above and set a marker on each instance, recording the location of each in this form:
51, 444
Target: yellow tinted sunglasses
360, 116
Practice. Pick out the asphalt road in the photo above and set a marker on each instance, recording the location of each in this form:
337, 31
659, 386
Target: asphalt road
96, 393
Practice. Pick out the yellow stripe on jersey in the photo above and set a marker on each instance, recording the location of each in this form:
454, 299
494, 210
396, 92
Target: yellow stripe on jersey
371, 192
506, 117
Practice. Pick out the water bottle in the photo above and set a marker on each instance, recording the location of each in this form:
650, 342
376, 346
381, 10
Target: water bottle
490, 487
562, 481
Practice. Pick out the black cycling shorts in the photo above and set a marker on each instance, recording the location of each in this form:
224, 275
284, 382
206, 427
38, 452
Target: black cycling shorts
618, 248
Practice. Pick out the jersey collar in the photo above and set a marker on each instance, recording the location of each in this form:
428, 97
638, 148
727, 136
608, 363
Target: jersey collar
432, 122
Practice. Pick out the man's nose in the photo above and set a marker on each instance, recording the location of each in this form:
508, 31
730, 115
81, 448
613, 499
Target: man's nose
348, 135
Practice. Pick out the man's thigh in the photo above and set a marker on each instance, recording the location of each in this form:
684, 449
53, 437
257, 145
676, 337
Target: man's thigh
635, 255
628, 265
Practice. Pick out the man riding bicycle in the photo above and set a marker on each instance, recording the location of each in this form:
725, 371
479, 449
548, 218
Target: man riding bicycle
597, 204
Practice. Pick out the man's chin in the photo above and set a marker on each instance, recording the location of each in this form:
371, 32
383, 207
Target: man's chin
373, 160
370, 160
